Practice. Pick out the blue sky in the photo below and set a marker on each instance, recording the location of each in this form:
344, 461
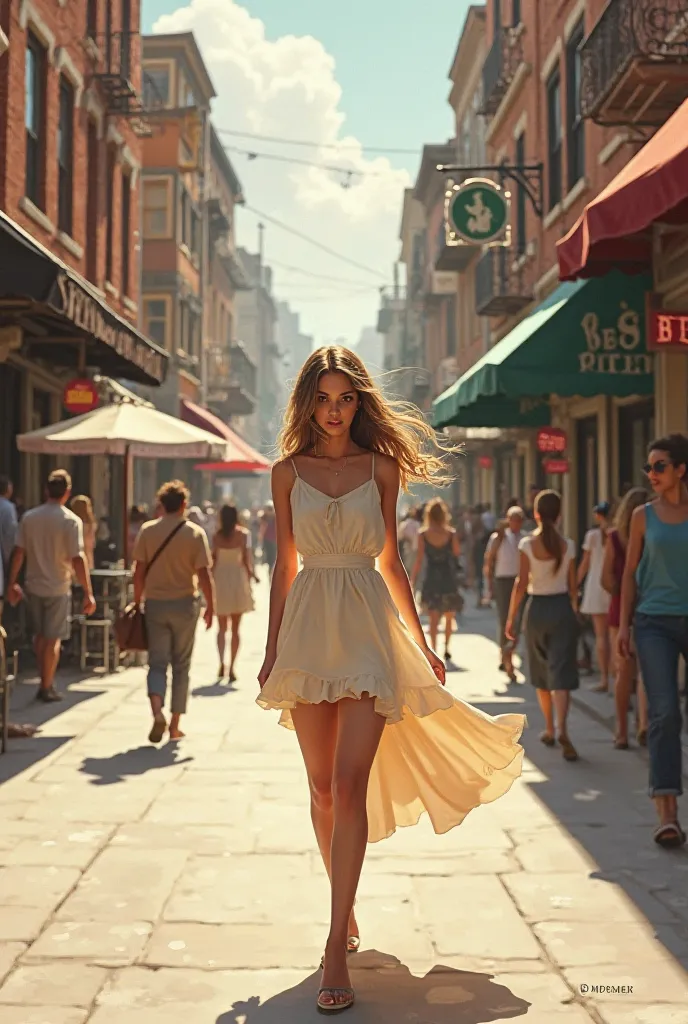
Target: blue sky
390, 62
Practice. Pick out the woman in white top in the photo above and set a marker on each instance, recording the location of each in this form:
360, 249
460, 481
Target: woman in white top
501, 570
547, 571
596, 600
233, 571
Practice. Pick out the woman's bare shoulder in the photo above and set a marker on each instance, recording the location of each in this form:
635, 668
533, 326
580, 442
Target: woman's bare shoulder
386, 468
283, 472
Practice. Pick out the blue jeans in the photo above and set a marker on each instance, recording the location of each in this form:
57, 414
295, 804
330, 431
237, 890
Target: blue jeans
659, 640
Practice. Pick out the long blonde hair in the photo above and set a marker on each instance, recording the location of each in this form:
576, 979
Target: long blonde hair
83, 508
380, 425
436, 513
631, 500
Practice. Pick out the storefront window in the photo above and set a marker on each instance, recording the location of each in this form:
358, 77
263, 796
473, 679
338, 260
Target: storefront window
636, 431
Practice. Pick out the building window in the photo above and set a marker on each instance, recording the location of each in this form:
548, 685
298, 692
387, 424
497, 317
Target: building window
554, 138
110, 212
126, 233
156, 209
65, 157
93, 155
575, 125
156, 86
34, 119
92, 18
521, 199
155, 321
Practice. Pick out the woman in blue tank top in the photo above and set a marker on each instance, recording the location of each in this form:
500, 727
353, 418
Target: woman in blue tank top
654, 594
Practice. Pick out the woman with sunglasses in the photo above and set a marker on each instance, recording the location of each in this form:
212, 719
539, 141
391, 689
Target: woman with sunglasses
654, 593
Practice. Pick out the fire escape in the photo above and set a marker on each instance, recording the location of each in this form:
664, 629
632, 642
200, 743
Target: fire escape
117, 65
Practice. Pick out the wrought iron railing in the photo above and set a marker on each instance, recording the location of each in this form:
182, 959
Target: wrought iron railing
500, 67
629, 30
500, 287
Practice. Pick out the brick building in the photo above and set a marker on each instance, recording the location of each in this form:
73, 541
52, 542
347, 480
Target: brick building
71, 120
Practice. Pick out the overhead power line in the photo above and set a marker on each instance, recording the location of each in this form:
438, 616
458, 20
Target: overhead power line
349, 172
316, 145
312, 241
321, 277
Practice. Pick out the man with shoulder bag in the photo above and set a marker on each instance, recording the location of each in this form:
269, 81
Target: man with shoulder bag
172, 560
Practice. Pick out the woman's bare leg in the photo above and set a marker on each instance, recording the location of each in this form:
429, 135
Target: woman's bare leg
641, 701
433, 628
448, 630
622, 692
222, 641
600, 625
358, 736
562, 702
316, 730
546, 706
234, 645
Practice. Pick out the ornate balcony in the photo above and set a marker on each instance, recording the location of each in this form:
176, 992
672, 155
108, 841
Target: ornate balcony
500, 288
231, 380
117, 61
635, 63
500, 67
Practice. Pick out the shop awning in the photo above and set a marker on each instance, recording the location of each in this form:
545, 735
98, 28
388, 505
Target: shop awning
587, 338
614, 230
57, 309
240, 457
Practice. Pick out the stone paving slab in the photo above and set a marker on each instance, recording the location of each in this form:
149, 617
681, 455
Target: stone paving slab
582, 944
659, 1013
36, 886
58, 846
569, 897
101, 943
9, 953
43, 1015
661, 981
23, 924
64, 984
206, 840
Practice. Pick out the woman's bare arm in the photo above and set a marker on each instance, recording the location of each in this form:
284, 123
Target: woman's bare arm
247, 556
583, 568
286, 564
607, 579
573, 584
518, 593
634, 552
418, 564
456, 545
391, 567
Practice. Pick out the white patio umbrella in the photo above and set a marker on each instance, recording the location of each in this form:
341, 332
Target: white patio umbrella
128, 430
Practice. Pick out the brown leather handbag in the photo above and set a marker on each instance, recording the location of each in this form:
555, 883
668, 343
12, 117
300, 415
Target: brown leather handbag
130, 627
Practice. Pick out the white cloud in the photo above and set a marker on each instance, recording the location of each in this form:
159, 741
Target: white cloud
288, 88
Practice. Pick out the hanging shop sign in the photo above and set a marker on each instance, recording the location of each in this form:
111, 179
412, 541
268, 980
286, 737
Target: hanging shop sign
485, 461
665, 330
476, 212
551, 440
556, 467
80, 396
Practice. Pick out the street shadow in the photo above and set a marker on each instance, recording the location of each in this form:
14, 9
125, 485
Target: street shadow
107, 771
387, 993
601, 800
216, 689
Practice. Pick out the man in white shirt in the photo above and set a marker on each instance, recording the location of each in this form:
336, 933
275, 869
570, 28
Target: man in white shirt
501, 569
51, 540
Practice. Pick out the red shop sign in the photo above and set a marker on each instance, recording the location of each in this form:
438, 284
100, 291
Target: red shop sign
80, 395
551, 440
665, 330
485, 461
556, 467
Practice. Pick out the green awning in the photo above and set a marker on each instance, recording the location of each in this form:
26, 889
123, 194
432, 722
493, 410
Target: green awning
587, 338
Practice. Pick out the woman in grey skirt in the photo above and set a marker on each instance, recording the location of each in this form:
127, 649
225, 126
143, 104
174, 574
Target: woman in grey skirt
547, 571
501, 570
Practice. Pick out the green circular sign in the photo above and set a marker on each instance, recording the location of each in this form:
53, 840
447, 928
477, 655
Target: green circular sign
478, 212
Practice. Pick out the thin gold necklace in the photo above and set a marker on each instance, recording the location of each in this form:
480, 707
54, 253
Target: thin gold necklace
335, 472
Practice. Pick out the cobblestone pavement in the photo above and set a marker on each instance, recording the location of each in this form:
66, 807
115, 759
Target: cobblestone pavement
182, 884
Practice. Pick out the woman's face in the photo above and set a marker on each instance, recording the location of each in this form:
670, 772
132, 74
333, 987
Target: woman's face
336, 404
661, 472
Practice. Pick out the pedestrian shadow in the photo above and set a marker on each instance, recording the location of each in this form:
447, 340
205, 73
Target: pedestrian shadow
387, 993
217, 689
108, 771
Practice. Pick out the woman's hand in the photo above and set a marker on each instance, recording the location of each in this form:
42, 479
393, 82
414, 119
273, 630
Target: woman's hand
623, 642
266, 668
436, 664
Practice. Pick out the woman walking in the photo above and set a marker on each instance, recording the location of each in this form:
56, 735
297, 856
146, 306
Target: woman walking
547, 570
501, 570
596, 600
232, 570
626, 668
439, 552
655, 585
83, 508
359, 686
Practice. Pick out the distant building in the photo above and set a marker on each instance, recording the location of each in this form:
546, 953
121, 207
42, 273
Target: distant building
256, 318
370, 348
295, 345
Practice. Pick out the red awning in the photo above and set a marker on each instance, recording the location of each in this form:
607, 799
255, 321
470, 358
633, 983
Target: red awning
614, 230
241, 457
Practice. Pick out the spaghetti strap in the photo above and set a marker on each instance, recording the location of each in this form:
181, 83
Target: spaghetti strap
372, 472
296, 472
